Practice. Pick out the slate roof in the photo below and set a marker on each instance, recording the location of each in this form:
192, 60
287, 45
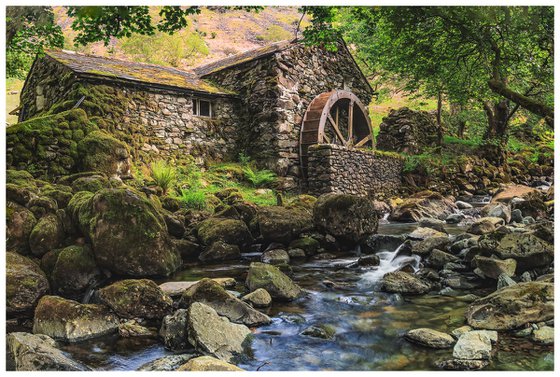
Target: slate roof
243, 57
140, 73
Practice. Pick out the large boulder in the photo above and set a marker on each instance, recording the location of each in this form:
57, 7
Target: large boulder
404, 283
430, 338
101, 152
512, 307
276, 283
70, 321
46, 235
283, 224
423, 204
128, 235
347, 217
208, 364
19, 223
173, 331
259, 298
30, 352
507, 193
26, 283
493, 267
212, 334
220, 251
526, 248
229, 231
408, 131
485, 225
136, 299
475, 345
225, 304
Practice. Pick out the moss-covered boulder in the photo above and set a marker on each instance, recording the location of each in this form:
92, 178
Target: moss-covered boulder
19, 223
136, 299
283, 224
276, 283
61, 194
71, 270
47, 235
423, 204
92, 183
70, 321
230, 231
128, 234
219, 252
26, 283
102, 152
347, 217
308, 244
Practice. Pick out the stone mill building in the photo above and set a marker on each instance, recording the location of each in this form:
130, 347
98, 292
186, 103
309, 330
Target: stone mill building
300, 111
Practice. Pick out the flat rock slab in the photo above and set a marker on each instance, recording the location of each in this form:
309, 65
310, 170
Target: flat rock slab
176, 288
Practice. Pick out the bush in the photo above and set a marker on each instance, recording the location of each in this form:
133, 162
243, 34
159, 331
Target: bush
193, 198
258, 177
163, 175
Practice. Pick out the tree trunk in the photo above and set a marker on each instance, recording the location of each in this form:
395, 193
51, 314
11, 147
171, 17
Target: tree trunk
438, 117
498, 118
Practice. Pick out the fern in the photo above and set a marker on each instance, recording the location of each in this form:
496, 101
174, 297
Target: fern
193, 198
258, 178
163, 174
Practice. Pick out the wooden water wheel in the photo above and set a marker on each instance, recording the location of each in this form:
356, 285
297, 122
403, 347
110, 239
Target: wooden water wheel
336, 117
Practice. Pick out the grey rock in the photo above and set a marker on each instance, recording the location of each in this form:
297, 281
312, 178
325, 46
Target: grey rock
516, 216
404, 283
167, 363
259, 298
544, 335
277, 284
455, 218
436, 224
492, 267
430, 338
504, 281
439, 258
463, 205
173, 331
475, 345
275, 256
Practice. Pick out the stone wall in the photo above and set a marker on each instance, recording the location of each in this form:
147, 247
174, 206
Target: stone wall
336, 169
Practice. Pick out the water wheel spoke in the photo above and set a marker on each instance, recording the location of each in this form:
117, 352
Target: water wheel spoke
363, 141
350, 121
337, 130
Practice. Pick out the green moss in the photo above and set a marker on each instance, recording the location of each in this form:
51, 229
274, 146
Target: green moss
101, 151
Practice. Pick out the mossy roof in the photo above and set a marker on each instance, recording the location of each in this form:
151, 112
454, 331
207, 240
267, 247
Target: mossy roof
139, 73
243, 57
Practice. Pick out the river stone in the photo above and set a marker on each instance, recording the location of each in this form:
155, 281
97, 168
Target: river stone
347, 217
513, 307
427, 222
282, 224
208, 364
38, 352
129, 236
527, 249
259, 298
504, 281
19, 223
229, 231
368, 260
507, 193
132, 329
424, 247
173, 331
439, 258
543, 335
275, 256
308, 244
516, 216
322, 331
212, 334
379, 242
485, 225
463, 205
430, 338
136, 298
212, 294
423, 204
497, 210
176, 288
220, 251
296, 253
26, 283
455, 218
492, 267
461, 364
71, 321
460, 331
167, 363
422, 233
475, 345
404, 283
276, 283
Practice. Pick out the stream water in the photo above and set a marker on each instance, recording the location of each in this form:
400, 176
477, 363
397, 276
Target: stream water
368, 324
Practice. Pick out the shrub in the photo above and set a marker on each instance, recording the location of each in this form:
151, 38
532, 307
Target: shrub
163, 174
193, 198
258, 177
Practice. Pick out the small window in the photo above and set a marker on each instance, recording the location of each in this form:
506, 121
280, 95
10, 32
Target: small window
203, 108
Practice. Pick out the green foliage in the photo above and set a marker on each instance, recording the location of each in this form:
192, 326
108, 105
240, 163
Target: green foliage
258, 178
274, 33
471, 143
193, 198
163, 174
243, 158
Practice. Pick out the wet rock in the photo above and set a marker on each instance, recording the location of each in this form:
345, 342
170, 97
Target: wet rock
463, 205
485, 225
68, 320
220, 251
320, 331
282, 224
507, 193
523, 333
368, 260
176, 288
167, 363
275, 256
188, 250
212, 334
212, 294
277, 284
460, 331
308, 244
173, 331
259, 298
461, 282
26, 283
128, 235
459, 364
475, 345
296, 253
420, 234
404, 283
504, 281
492, 267
38, 352
132, 329
134, 298
430, 338
19, 223
525, 277
543, 335
208, 364
497, 210
423, 204
175, 227
512, 307
347, 217
436, 224
516, 216
47, 235
425, 247
379, 242
228, 231
527, 220
439, 258
455, 218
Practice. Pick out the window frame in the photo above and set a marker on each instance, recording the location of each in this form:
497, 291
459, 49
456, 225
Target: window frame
196, 108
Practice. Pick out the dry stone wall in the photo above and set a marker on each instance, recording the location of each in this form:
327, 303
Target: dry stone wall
336, 169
